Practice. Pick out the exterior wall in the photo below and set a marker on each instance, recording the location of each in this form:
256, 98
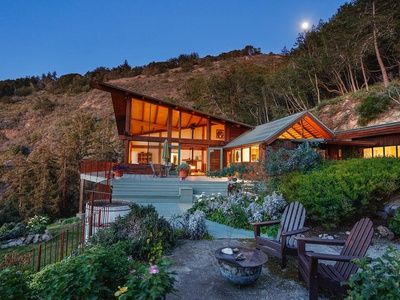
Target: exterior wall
383, 140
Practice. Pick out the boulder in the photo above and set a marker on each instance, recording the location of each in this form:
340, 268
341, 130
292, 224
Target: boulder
392, 206
12, 243
36, 239
46, 236
385, 232
29, 239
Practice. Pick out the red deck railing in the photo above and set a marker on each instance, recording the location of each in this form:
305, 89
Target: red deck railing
99, 168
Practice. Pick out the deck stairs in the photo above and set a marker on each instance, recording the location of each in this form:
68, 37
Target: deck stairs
146, 189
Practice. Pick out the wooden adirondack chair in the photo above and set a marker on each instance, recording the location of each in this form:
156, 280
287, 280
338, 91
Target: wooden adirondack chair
291, 225
317, 274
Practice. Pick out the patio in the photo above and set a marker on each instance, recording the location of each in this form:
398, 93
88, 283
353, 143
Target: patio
198, 276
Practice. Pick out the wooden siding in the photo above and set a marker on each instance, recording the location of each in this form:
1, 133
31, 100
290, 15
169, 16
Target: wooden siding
383, 140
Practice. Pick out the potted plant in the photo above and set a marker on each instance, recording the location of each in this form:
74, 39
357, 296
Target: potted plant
118, 171
183, 170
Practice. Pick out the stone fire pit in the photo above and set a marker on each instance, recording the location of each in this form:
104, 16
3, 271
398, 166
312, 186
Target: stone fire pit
241, 272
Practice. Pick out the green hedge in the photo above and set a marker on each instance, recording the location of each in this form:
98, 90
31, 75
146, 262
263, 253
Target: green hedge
342, 191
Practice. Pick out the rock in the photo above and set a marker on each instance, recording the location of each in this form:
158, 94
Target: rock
36, 238
29, 239
46, 236
347, 232
12, 243
385, 232
326, 236
228, 251
392, 206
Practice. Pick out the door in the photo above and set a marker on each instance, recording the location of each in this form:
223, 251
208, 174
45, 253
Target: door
215, 158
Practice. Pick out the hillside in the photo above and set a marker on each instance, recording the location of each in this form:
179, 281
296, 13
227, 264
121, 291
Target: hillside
29, 121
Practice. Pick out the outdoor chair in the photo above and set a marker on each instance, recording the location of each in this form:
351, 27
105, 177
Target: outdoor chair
291, 225
153, 169
333, 277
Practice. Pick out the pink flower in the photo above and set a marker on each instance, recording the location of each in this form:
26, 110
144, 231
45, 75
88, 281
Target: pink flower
130, 257
153, 269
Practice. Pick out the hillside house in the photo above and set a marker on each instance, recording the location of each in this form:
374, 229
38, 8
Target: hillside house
208, 142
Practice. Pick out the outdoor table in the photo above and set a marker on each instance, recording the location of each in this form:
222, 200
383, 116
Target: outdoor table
241, 272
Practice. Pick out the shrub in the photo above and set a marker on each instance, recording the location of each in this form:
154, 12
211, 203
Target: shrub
143, 228
282, 161
147, 282
12, 231
44, 105
378, 280
372, 106
94, 274
37, 224
394, 223
13, 285
341, 191
237, 170
192, 225
241, 209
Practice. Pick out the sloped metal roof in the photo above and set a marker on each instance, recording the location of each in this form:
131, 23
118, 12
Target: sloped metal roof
268, 131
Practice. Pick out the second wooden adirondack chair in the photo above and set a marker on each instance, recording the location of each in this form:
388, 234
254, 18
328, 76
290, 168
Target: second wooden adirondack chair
291, 225
333, 277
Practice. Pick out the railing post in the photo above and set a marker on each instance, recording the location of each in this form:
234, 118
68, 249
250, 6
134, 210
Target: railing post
83, 229
62, 245
39, 257
66, 243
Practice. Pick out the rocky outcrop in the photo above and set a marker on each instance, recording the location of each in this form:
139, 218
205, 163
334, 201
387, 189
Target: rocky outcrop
29, 239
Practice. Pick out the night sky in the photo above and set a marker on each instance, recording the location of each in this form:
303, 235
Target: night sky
75, 36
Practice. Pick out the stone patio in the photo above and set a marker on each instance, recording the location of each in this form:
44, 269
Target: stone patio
198, 275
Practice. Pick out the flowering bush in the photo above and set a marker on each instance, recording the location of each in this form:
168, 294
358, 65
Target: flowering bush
192, 225
37, 224
241, 209
147, 282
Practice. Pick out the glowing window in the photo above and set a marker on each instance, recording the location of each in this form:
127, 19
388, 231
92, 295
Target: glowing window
390, 151
246, 155
237, 155
378, 152
255, 154
367, 153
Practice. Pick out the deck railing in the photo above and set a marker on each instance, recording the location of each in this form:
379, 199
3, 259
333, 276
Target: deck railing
98, 168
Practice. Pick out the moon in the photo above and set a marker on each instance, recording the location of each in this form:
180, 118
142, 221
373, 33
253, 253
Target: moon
305, 25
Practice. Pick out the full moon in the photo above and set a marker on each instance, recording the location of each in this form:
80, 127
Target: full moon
305, 25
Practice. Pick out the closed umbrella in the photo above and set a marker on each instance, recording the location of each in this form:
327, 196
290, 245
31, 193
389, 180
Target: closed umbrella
165, 152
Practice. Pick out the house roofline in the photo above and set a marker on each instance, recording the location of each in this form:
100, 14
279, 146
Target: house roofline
128, 93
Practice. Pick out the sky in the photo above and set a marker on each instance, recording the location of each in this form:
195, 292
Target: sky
75, 36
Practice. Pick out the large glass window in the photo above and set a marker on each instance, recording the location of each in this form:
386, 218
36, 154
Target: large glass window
246, 155
378, 152
387, 151
367, 152
390, 151
237, 155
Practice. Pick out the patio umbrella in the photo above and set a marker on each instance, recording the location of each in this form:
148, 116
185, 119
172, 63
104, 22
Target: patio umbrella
165, 152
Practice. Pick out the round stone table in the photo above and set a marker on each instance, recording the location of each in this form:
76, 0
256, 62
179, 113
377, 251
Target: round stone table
241, 272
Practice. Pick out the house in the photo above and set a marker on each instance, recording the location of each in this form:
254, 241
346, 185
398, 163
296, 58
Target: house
209, 142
